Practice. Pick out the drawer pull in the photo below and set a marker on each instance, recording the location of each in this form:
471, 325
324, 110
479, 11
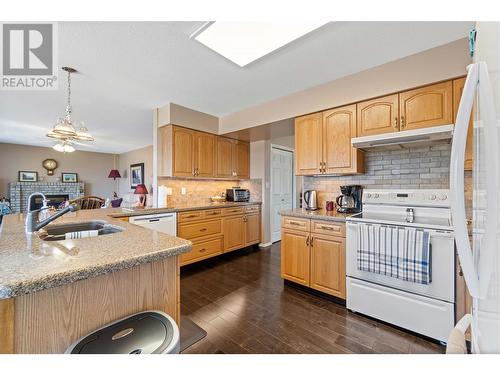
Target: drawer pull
203, 229
191, 216
212, 213
294, 223
203, 250
329, 228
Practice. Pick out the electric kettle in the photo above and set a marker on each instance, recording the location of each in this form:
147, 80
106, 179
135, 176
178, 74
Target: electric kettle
311, 200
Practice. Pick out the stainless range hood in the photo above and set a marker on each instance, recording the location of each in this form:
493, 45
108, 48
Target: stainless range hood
405, 137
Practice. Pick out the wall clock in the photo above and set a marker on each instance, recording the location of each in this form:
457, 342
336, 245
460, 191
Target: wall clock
49, 165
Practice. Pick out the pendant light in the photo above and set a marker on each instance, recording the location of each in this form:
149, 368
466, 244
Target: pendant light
65, 128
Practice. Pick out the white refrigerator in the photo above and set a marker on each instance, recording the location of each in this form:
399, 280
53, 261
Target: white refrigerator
480, 260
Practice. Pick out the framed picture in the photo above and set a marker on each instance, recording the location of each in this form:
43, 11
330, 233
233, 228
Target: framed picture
69, 177
28, 176
136, 174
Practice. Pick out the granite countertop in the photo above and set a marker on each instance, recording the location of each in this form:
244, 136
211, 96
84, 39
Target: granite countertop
321, 214
28, 264
119, 212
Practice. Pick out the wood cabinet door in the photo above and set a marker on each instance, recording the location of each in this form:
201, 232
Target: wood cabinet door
339, 126
234, 233
204, 154
295, 256
328, 264
308, 144
252, 229
241, 159
426, 106
224, 157
183, 152
378, 116
458, 88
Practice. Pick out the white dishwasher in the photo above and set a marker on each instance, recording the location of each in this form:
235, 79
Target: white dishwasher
165, 223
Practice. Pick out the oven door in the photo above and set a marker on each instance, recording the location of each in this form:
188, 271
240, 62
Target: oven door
442, 286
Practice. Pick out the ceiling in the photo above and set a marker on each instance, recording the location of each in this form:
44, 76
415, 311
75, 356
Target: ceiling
129, 68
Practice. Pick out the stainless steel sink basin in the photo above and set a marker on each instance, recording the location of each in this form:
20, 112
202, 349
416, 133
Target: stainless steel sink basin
58, 232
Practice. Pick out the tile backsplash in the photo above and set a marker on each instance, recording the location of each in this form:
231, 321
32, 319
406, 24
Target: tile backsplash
200, 191
415, 167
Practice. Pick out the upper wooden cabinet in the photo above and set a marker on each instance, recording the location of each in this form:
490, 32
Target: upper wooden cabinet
185, 152
323, 143
182, 155
377, 116
204, 154
339, 126
309, 144
224, 164
458, 87
426, 106
241, 159
233, 158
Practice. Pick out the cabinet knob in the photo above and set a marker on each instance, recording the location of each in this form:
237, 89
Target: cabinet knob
307, 241
395, 122
403, 124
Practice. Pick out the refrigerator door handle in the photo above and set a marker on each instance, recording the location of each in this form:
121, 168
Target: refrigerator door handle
489, 243
457, 160
477, 278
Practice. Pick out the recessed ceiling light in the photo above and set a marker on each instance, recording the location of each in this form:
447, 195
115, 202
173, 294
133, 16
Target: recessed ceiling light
244, 42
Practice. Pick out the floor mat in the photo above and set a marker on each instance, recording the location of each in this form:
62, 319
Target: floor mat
190, 333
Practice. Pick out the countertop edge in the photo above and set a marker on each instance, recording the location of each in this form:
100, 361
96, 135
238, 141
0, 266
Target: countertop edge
7, 291
165, 210
314, 215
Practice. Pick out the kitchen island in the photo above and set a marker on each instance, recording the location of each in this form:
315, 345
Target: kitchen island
54, 292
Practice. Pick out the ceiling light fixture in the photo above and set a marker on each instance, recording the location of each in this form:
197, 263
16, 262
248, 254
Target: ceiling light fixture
244, 42
65, 129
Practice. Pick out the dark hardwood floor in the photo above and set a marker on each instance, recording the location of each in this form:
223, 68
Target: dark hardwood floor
243, 304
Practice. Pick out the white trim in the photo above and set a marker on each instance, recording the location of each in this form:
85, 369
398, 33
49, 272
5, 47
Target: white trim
267, 244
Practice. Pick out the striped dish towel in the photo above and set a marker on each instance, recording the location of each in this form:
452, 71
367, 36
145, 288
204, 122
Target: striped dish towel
81, 234
403, 253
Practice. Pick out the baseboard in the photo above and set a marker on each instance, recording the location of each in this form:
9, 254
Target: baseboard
267, 244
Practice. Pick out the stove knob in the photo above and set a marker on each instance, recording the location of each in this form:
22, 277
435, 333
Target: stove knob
368, 195
432, 197
443, 197
375, 195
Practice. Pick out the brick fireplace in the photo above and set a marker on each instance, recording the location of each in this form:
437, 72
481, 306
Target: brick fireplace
20, 191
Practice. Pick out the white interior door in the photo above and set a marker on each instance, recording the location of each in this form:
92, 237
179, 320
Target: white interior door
281, 188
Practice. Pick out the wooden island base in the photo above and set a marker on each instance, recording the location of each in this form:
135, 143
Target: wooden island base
52, 319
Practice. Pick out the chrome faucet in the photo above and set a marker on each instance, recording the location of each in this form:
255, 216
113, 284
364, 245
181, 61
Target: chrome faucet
32, 223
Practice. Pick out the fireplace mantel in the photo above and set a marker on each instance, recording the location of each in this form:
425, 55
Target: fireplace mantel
20, 191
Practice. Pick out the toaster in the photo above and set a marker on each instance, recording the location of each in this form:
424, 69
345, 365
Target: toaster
237, 194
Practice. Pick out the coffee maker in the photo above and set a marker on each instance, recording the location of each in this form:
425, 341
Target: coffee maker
350, 200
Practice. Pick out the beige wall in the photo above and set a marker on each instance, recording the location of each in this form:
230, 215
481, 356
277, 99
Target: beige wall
176, 114
436, 64
142, 155
92, 167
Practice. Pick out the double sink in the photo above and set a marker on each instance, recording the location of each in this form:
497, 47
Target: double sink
58, 232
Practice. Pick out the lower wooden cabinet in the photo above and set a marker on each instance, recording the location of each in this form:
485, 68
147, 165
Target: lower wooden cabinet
234, 233
252, 229
216, 231
312, 258
328, 264
203, 250
295, 256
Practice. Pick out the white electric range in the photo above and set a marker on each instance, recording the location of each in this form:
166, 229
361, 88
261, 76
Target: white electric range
428, 309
